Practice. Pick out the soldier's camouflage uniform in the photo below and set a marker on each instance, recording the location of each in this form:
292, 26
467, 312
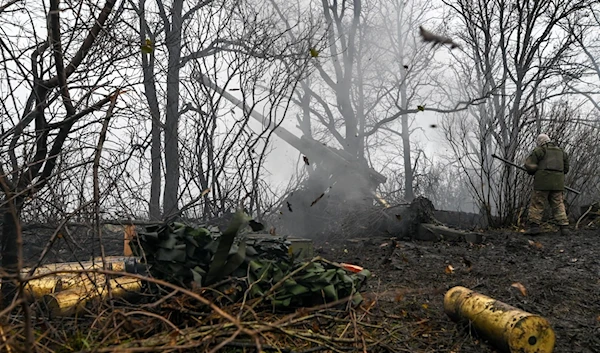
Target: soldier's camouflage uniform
549, 164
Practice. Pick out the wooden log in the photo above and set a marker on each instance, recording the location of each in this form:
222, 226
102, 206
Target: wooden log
509, 329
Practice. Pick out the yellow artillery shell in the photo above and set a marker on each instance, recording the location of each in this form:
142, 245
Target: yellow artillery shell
114, 263
72, 301
506, 327
63, 281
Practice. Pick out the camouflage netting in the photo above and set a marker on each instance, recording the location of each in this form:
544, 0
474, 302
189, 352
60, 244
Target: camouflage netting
261, 268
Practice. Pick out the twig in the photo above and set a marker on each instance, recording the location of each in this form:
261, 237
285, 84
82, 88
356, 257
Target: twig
583, 216
161, 300
156, 316
95, 167
318, 336
227, 341
314, 308
7, 5
313, 340
159, 282
54, 236
247, 292
4, 339
240, 344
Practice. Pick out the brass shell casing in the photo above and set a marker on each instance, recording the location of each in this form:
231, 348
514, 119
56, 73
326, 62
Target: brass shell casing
506, 327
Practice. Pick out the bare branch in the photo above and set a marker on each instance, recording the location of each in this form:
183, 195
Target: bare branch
86, 45
7, 5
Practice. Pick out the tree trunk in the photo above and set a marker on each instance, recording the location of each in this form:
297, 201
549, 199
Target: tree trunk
156, 175
152, 98
10, 252
408, 171
171, 194
407, 160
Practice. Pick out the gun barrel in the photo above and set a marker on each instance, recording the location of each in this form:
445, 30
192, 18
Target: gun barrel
303, 144
509, 162
522, 168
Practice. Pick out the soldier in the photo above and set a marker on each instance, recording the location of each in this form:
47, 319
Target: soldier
549, 164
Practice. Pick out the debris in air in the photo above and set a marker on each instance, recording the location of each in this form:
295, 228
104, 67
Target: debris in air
147, 47
256, 226
317, 200
436, 39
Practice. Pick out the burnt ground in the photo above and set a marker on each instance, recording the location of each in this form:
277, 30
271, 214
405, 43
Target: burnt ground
561, 276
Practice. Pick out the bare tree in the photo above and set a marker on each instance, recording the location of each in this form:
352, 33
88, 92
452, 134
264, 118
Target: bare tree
513, 51
408, 64
371, 79
570, 125
582, 76
207, 39
65, 79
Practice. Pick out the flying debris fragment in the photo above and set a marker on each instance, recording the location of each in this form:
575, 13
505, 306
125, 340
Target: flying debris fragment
436, 39
256, 226
317, 199
147, 47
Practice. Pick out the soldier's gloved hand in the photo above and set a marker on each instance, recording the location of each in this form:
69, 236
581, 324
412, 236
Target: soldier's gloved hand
531, 168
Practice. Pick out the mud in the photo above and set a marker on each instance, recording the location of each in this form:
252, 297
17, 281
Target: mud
560, 278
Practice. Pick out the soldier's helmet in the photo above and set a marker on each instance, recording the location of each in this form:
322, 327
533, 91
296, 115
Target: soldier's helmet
542, 139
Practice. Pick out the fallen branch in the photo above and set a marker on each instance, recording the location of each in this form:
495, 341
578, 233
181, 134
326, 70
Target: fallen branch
583, 215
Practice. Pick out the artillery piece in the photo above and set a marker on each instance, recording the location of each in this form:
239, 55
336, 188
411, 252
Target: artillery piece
340, 184
337, 178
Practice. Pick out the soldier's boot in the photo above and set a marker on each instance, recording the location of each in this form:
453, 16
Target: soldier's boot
564, 230
534, 229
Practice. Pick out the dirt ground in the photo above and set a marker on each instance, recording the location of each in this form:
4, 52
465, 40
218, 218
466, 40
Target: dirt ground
561, 276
